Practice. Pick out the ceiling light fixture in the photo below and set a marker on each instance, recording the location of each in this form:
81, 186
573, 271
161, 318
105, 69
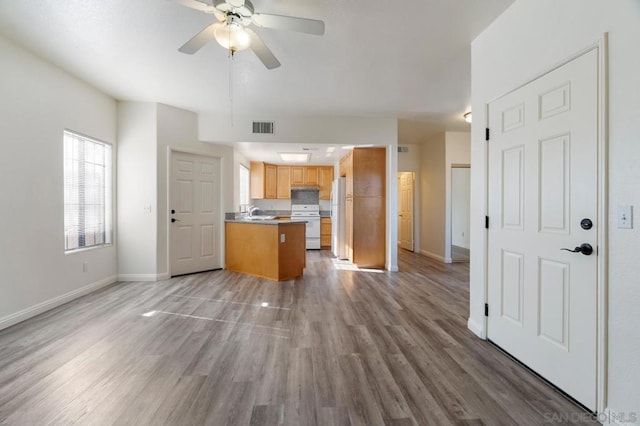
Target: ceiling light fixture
294, 157
231, 34
467, 117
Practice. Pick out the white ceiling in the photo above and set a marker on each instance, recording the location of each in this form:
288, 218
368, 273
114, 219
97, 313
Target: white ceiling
408, 59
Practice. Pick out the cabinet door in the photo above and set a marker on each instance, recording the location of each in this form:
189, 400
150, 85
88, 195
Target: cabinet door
297, 175
256, 180
368, 172
324, 181
271, 179
369, 232
311, 175
284, 182
325, 232
349, 227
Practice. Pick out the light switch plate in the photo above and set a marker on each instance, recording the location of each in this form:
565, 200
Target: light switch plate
625, 217
282, 238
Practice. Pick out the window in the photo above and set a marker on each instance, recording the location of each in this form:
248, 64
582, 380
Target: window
244, 186
87, 192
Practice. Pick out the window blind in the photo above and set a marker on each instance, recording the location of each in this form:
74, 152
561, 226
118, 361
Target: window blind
87, 192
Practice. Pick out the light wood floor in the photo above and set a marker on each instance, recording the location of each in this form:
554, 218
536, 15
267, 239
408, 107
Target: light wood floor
337, 347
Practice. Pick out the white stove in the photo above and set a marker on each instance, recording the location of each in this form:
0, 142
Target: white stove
309, 213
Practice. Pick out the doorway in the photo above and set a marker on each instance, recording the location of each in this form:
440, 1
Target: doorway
194, 203
460, 212
406, 194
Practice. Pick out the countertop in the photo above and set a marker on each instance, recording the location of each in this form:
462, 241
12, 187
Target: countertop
264, 222
277, 213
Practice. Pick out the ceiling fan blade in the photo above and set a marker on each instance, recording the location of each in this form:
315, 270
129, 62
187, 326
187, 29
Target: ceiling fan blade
200, 39
262, 51
280, 22
193, 4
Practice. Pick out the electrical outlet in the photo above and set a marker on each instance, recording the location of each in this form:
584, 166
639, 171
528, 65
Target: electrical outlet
147, 209
625, 217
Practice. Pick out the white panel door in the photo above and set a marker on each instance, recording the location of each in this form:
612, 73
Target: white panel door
406, 210
543, 165
195, 214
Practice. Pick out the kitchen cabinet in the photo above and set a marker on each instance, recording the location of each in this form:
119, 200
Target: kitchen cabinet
325, 232
297, 175
311, 175
284, 182
271, 181
365, 171
262, 180
271, 178
325, 178
271, 249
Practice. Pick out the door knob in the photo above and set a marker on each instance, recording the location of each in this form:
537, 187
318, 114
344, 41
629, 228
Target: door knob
585, 249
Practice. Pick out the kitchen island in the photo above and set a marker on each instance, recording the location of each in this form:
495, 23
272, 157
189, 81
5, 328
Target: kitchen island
273, 249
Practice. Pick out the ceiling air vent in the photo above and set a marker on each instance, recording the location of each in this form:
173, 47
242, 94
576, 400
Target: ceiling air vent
403, 149
265, 127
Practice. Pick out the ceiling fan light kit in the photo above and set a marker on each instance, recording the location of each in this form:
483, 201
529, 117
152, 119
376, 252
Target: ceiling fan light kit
232, 32
231, 35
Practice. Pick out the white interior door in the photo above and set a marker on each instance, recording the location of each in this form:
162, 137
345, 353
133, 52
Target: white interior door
405, 210
543, 170
195, 217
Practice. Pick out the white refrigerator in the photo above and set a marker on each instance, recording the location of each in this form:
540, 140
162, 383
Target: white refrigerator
338, 218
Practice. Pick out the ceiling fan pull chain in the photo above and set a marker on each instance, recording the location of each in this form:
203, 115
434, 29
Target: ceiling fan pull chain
231, 53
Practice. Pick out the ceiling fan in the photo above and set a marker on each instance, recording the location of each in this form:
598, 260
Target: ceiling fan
232, 31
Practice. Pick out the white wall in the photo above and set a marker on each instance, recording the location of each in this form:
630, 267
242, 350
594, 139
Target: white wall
460, 206
433, 197
437, 155
330, 130
527, 39
457, 151
37, 103
137, 194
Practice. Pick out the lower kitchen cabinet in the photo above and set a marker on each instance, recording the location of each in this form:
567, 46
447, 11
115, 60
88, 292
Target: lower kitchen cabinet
325, 232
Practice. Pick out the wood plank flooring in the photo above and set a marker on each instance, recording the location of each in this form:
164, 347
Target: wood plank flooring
335, 347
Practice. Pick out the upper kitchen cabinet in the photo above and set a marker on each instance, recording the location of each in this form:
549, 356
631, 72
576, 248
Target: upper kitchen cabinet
270, 181
325, 178
284, 182
311, 175
263, 180
297, 175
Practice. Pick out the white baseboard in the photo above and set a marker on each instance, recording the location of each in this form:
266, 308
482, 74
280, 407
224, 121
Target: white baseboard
433, 256
32, 311
144, 277
475, 327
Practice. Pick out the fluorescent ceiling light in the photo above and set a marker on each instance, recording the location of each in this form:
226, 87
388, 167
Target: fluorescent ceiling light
294, 157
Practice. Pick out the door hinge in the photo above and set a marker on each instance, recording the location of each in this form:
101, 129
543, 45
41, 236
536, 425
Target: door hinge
486, 222
486, 134
486, 309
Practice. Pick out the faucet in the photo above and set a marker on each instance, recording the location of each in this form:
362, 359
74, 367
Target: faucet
252, 210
